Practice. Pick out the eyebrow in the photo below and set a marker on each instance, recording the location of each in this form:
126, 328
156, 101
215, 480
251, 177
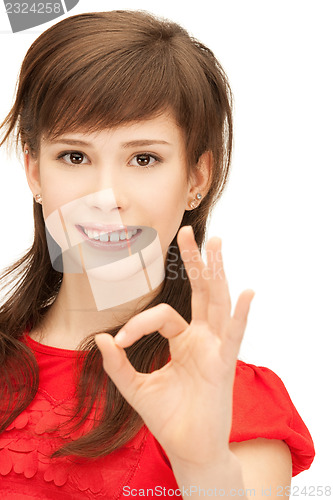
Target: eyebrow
130, 144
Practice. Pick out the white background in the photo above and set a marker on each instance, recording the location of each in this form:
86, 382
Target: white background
275, 216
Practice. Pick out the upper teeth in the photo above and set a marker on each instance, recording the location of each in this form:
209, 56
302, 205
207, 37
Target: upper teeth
110, 236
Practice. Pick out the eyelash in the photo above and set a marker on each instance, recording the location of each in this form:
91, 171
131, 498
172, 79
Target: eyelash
73, 165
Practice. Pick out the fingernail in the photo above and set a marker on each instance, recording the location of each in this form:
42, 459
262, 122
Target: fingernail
120, 337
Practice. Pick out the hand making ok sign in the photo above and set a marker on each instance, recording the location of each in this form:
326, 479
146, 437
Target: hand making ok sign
187, 404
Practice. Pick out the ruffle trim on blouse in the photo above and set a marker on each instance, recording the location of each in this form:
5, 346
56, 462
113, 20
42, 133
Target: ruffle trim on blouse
29, 455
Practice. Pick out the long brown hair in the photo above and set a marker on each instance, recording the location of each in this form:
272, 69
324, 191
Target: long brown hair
91, 72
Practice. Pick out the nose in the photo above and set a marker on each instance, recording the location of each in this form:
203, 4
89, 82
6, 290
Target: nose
104, 200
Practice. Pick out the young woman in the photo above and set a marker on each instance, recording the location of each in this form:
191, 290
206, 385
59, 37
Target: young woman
119, 369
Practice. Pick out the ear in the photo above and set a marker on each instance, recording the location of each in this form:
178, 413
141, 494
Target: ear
31, 167
201, 176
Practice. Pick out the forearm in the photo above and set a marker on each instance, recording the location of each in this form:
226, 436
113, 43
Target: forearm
223, 478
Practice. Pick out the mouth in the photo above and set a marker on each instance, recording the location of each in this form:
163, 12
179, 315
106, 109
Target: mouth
105, 238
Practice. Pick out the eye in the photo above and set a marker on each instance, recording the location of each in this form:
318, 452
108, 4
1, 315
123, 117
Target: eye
144, 160
73, 157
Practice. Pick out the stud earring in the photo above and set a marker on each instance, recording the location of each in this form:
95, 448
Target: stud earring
26, 152
38, 198
194, 203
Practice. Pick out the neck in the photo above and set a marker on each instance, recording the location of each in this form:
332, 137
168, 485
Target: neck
74, 314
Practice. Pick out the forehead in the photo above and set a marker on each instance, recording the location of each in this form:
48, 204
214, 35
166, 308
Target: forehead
161, 129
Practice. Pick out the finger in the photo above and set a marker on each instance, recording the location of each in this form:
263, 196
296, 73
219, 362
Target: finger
243, 306
118, 367
195, 268
234, 332
162, 318
219, 305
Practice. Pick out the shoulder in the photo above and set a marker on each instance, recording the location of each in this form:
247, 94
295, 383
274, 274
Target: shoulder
262, 408
259, 389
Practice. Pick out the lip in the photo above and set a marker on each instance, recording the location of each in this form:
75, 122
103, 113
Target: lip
108, 245
106, 227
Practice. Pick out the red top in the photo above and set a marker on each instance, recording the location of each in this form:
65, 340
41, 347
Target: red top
261, 408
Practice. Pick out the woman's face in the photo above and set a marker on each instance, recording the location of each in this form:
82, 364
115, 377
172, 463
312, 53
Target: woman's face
131, 175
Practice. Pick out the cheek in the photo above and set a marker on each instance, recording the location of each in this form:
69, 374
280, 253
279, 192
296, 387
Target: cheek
168, 193
53, 199
56, 191
167, 208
